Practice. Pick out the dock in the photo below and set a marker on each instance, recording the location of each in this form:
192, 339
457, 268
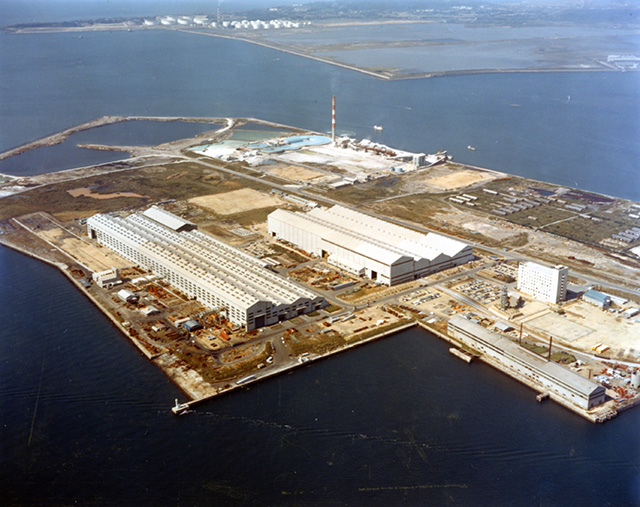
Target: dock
461, 354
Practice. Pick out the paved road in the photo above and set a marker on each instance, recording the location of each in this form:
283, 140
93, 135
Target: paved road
499, 252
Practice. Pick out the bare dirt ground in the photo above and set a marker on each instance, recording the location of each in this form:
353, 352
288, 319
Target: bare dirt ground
87, 192
90, 255
293, 172
461, 179
586, 326
366, 319
237, 201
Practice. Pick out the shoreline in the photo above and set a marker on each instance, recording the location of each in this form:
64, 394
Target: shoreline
191, 379
599, 415
386, 75
61, 136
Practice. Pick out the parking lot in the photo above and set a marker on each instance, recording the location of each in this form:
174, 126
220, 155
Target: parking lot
480, 291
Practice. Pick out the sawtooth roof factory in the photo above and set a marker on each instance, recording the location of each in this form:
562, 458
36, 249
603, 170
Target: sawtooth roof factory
367, 246
219, 276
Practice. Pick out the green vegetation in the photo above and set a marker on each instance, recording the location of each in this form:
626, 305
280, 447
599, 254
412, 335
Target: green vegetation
315, 344
366, 192
515, 241
558, 357
179, 181
252, 216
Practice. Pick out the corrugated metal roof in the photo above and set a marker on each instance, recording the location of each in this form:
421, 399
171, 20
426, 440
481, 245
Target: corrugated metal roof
414, 243
596, 296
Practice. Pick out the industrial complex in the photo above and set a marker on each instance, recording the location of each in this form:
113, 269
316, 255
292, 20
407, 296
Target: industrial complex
367, 246
550, 377
271, 263
234, 283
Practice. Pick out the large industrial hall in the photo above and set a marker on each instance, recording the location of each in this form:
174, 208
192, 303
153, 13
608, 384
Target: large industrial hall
367, 246
221, 277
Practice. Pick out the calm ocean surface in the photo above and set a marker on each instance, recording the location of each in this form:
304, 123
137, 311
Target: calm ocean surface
85, 418
576, 129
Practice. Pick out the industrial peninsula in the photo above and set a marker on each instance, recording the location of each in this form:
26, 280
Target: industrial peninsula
253, 248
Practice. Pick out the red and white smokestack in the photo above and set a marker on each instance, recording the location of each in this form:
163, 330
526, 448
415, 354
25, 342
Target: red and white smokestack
333, 120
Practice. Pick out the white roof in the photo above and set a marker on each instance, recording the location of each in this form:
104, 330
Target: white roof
377, 238
165, 218
233, 274
561, 374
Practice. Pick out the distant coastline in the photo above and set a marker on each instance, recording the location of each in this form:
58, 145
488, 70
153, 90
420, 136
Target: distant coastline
383, 73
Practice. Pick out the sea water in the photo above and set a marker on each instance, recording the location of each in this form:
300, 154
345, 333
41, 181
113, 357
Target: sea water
85, 417
573, 129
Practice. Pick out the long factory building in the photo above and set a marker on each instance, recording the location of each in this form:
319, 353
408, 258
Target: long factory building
367, 246
551, 376
219, 276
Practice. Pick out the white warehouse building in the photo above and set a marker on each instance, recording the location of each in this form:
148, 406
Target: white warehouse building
367, 246
221, 277
542, 282
545, 375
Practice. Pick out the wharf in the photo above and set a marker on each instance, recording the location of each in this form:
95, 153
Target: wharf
597, 414
276, 370
185, 379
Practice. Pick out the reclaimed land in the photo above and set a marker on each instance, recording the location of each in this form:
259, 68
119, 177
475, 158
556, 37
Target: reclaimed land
589, 60
166, 172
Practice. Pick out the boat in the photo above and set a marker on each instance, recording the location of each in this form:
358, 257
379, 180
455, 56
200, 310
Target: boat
471, 148
179, 408
377, 127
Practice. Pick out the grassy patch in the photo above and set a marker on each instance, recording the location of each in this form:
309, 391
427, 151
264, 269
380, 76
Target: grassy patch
542, 351
379, 330
253, 216
365, 192
316, 344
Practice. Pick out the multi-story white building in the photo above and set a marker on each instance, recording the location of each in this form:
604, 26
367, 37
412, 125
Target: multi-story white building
221, 277
542, 282
367, 246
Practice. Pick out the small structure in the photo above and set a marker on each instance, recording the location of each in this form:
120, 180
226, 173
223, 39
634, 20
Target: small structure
596, 298
107, 279
147, 311
503, 327
504, 298
191, 325
169, 220
630, 312
127, 296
